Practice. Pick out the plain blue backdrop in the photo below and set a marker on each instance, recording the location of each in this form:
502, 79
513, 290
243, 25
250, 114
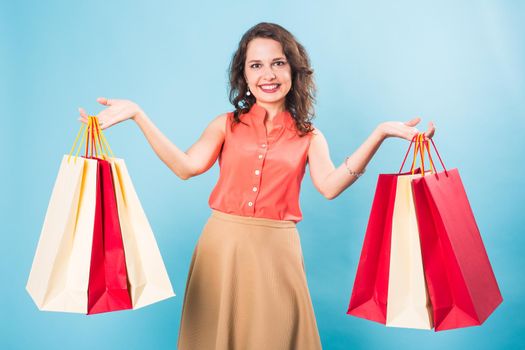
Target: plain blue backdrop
458, 63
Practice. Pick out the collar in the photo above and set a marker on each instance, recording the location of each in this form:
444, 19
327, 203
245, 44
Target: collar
281, 119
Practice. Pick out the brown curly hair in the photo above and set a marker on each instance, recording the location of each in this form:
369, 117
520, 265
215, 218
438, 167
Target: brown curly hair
301, 97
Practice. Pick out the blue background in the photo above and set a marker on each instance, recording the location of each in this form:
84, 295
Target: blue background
458, 63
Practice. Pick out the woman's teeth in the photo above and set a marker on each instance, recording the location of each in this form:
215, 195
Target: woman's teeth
270, 88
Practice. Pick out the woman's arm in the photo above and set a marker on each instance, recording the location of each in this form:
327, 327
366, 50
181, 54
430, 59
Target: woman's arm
196, 160
331, 181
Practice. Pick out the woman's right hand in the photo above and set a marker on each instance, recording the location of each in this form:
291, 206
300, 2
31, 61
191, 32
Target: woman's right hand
117, 111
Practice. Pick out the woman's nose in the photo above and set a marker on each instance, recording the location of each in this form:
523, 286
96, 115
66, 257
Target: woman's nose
269, 73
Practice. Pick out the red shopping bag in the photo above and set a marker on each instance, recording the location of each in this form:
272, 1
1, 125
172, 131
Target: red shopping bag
108, 288
108, 282
370, 291
461, 284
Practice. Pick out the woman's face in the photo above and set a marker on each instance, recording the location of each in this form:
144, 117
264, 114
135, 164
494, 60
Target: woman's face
267, 71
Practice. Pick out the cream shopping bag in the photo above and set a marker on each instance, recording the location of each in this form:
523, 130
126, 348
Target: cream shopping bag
408, 302
149, 281
59, 275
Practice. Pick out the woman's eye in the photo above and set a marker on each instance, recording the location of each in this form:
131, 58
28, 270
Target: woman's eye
277, 63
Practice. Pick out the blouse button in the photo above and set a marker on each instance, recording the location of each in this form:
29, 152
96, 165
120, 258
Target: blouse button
257, 172
254, 189
263, 145
250, 204
260, 156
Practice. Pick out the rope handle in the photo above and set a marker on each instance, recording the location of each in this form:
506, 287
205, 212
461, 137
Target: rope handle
422, 146
96, 144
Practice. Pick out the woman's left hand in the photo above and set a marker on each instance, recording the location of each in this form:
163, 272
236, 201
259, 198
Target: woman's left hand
406, 130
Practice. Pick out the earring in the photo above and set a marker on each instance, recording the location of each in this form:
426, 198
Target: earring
248, 93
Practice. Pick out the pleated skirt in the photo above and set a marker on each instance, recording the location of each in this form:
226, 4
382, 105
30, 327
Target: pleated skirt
247, 289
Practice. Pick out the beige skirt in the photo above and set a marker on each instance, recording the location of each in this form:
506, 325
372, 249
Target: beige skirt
247, 289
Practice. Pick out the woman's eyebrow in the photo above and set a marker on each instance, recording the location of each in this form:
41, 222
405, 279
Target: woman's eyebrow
275, 59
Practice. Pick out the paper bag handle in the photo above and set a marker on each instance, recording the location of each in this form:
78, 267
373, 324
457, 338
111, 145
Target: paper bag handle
96, 143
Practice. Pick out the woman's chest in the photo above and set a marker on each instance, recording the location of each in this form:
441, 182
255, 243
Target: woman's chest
269, 147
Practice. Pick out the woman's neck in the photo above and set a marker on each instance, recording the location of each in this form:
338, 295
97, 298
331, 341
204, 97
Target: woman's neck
272, 109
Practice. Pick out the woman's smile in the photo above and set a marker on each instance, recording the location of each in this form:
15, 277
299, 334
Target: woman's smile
269, 88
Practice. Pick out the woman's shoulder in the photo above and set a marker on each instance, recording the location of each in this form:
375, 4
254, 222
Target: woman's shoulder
224, 117
218, 124
315, 132
317, 138
221, 118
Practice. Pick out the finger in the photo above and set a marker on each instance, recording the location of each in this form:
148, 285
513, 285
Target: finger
83, 120
105, 101
83, 115
413, 122
103, 125
82, 112
103, 119
431, 130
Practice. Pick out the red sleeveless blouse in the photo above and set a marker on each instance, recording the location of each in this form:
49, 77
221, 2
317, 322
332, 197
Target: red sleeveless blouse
260, 174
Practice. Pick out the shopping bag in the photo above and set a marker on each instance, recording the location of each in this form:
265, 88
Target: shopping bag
81, 261
59, 275
108, 281
408, 304
461, 283
370, 291
148, 278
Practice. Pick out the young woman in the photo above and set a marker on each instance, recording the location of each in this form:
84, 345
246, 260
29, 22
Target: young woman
246, 287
